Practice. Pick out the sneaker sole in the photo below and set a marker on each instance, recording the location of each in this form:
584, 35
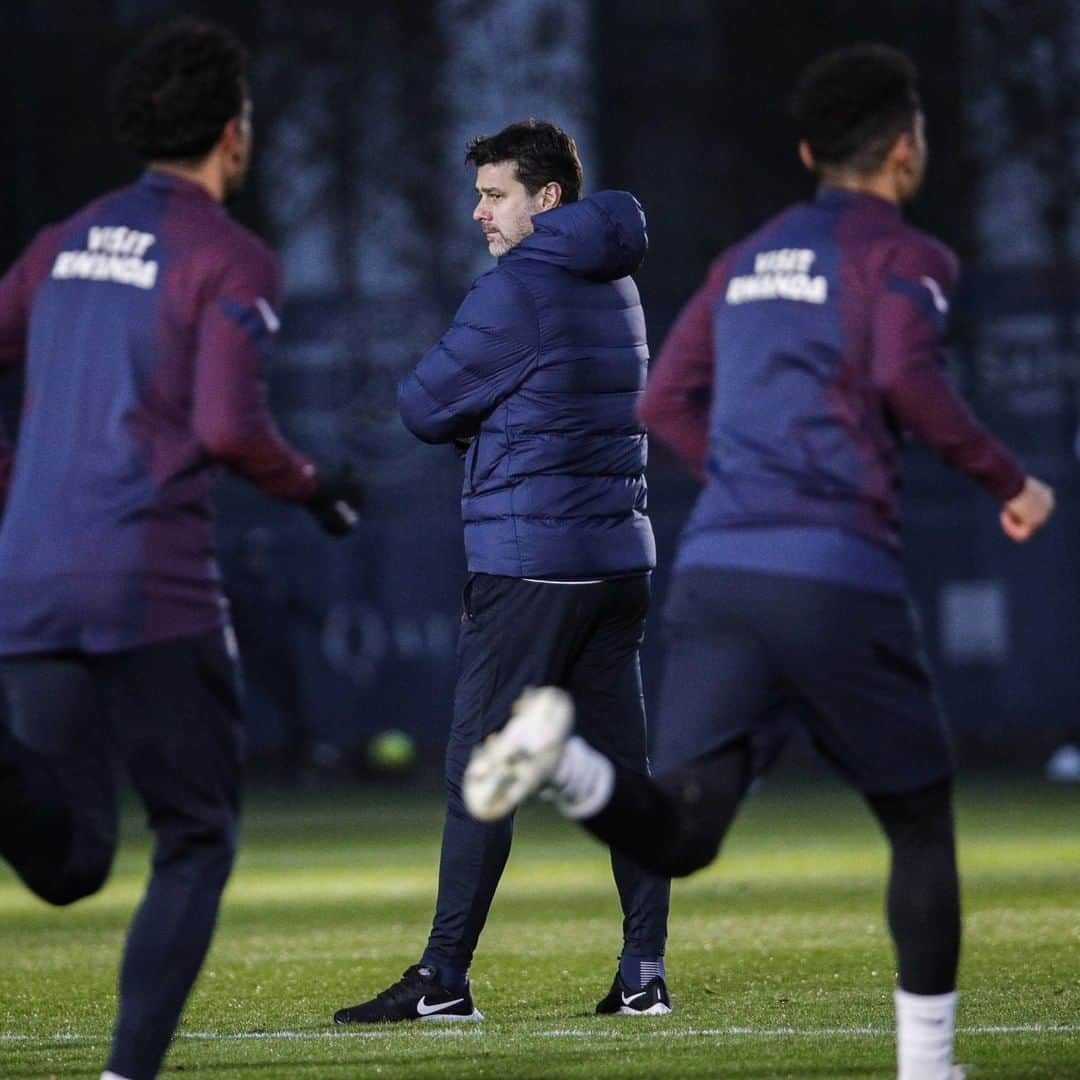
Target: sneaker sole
659, 1009
451, 1018
513, 763
476, 1014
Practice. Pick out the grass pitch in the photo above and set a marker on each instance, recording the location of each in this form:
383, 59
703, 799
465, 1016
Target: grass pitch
778, 961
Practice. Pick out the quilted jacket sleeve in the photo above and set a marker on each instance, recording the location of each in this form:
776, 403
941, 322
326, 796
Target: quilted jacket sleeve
488, 352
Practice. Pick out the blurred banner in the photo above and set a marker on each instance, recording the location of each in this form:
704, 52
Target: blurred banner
362, 113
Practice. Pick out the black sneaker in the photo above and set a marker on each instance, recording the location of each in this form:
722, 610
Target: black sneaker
651, 1000
417, 995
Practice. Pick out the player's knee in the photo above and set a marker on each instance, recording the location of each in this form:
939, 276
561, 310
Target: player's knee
76, 883
918, 821
702, 806
205, 850
69, 892
454, 763
691, 853
216, 854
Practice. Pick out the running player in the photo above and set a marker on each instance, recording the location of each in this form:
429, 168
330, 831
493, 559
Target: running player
143, 322
787, 384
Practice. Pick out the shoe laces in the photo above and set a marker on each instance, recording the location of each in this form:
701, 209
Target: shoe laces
412, 979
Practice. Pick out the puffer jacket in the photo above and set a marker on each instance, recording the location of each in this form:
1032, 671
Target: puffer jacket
543, 370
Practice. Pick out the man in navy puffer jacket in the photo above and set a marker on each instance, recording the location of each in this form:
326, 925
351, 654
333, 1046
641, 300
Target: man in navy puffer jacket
537, 383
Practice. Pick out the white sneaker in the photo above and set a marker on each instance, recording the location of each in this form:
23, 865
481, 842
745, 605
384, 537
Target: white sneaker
512, 764
1064, 765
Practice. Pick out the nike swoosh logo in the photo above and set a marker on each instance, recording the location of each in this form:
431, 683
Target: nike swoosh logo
424, 1009
632, 998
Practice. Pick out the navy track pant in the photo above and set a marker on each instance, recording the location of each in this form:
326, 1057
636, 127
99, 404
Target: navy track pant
170, 714
517, 633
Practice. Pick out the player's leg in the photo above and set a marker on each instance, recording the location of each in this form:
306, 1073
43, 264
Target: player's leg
511, 636
673, 825
923, 898
177, 713
57, 794
863, 670
717, 689
923, 905
605, 683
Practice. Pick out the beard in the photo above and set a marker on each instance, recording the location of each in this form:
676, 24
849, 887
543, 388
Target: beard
505, 239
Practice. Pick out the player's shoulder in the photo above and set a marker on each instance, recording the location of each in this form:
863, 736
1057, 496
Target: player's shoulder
53, 236
761, 238
911, 251
238, 257
86, 215
239, 244
723, 264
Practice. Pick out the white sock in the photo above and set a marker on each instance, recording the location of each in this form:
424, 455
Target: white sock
106, 1075
584, 780
925, 1025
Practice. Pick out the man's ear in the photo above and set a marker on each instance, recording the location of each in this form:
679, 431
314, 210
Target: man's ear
806, 155
232, 137
550, 195
902, 150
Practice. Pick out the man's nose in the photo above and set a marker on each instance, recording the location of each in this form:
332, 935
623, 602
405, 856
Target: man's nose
480, 214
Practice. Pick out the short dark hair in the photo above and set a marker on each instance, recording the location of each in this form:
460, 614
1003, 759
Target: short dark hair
541, 152
851, 105
185, 81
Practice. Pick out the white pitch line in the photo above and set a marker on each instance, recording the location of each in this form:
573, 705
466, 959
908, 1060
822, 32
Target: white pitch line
429, 1031
446, 1030
813, 1033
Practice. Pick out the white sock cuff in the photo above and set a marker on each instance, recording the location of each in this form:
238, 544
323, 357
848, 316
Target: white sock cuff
925, 1028
923, 1004
585, 780
106, 1075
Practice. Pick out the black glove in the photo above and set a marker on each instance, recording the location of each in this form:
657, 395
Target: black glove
337, 502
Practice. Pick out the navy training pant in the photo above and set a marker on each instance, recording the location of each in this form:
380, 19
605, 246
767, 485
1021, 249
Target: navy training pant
748, 652
517, 633
170, 714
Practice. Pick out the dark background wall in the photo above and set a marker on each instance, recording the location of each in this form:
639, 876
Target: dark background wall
361, 115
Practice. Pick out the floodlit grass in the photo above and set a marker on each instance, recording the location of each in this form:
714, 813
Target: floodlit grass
778, 961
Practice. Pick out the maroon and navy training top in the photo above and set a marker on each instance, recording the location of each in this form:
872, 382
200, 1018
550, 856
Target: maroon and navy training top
143, 322
789, 380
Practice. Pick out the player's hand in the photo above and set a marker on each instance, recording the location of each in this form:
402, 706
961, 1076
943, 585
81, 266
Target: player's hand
337, 502
1025, 514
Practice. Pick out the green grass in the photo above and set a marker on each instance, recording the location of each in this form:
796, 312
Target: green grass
778, 960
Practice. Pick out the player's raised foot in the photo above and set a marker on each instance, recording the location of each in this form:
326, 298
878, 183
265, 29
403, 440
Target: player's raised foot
512, 764
651, 1000
417, 995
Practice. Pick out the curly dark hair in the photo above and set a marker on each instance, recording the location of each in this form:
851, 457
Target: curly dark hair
541, 152
852, 104
179, 88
